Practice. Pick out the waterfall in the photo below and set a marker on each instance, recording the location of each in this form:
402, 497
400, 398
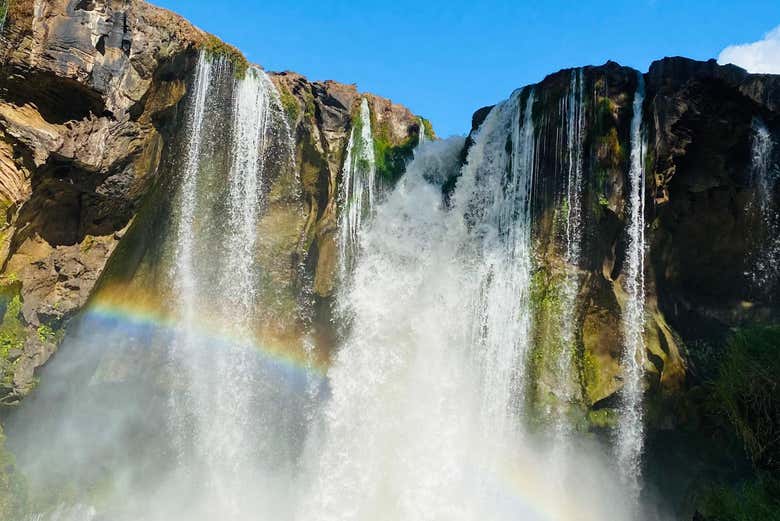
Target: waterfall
227, 423
182, 271
630, 430
502, 315
422, 415
179, 410
421, 137
357, 188
425, 419
226, 385
574, 123
763, 176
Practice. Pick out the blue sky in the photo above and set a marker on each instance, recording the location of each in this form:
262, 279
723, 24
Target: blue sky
445, 59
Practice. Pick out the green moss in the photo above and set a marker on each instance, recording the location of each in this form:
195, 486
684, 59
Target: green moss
12, 331
87, 244
290, 104
391, 160
753, 500
746, 391
650, 160
605, 112
614, 152
310, 109
602, 418
546, 302
3, 13
46, 333
216, 48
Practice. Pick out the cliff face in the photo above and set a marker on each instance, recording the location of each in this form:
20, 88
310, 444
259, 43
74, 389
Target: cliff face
321, 115
710, 215
91, 98
714, 207
88, 97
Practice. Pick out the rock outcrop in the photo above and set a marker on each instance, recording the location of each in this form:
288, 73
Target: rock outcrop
90, 102
88, 96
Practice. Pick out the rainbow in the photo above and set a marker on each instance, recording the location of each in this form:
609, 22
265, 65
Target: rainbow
123, 309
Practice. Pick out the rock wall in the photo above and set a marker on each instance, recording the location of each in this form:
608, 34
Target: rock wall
704, 228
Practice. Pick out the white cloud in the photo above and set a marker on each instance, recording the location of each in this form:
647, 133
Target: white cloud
762, 56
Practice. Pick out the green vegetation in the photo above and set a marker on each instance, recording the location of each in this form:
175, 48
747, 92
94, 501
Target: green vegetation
216, 48
602, 418
546, 295
753, 500
290, 104
605, 114
612, 151
310, 109
12, 331
391, 159
46, 333
3, 13
746, 391
427, 129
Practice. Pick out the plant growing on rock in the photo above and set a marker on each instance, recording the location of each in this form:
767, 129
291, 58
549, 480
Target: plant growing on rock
216, 48
746, 391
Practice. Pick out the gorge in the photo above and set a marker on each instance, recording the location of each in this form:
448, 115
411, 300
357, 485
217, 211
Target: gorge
234, 293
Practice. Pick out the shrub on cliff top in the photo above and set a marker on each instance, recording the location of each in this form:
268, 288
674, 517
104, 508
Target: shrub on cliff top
215, 47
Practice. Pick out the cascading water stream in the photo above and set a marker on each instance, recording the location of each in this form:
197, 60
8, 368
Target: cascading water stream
502, 302
630, 430
357, 189
224, 388
574, 123
234, 437
765, 270
182, 275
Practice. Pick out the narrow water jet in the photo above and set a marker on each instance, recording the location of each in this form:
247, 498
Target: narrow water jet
574, 123
630, 429
358, 188
765, 263
224, 383
182, 271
